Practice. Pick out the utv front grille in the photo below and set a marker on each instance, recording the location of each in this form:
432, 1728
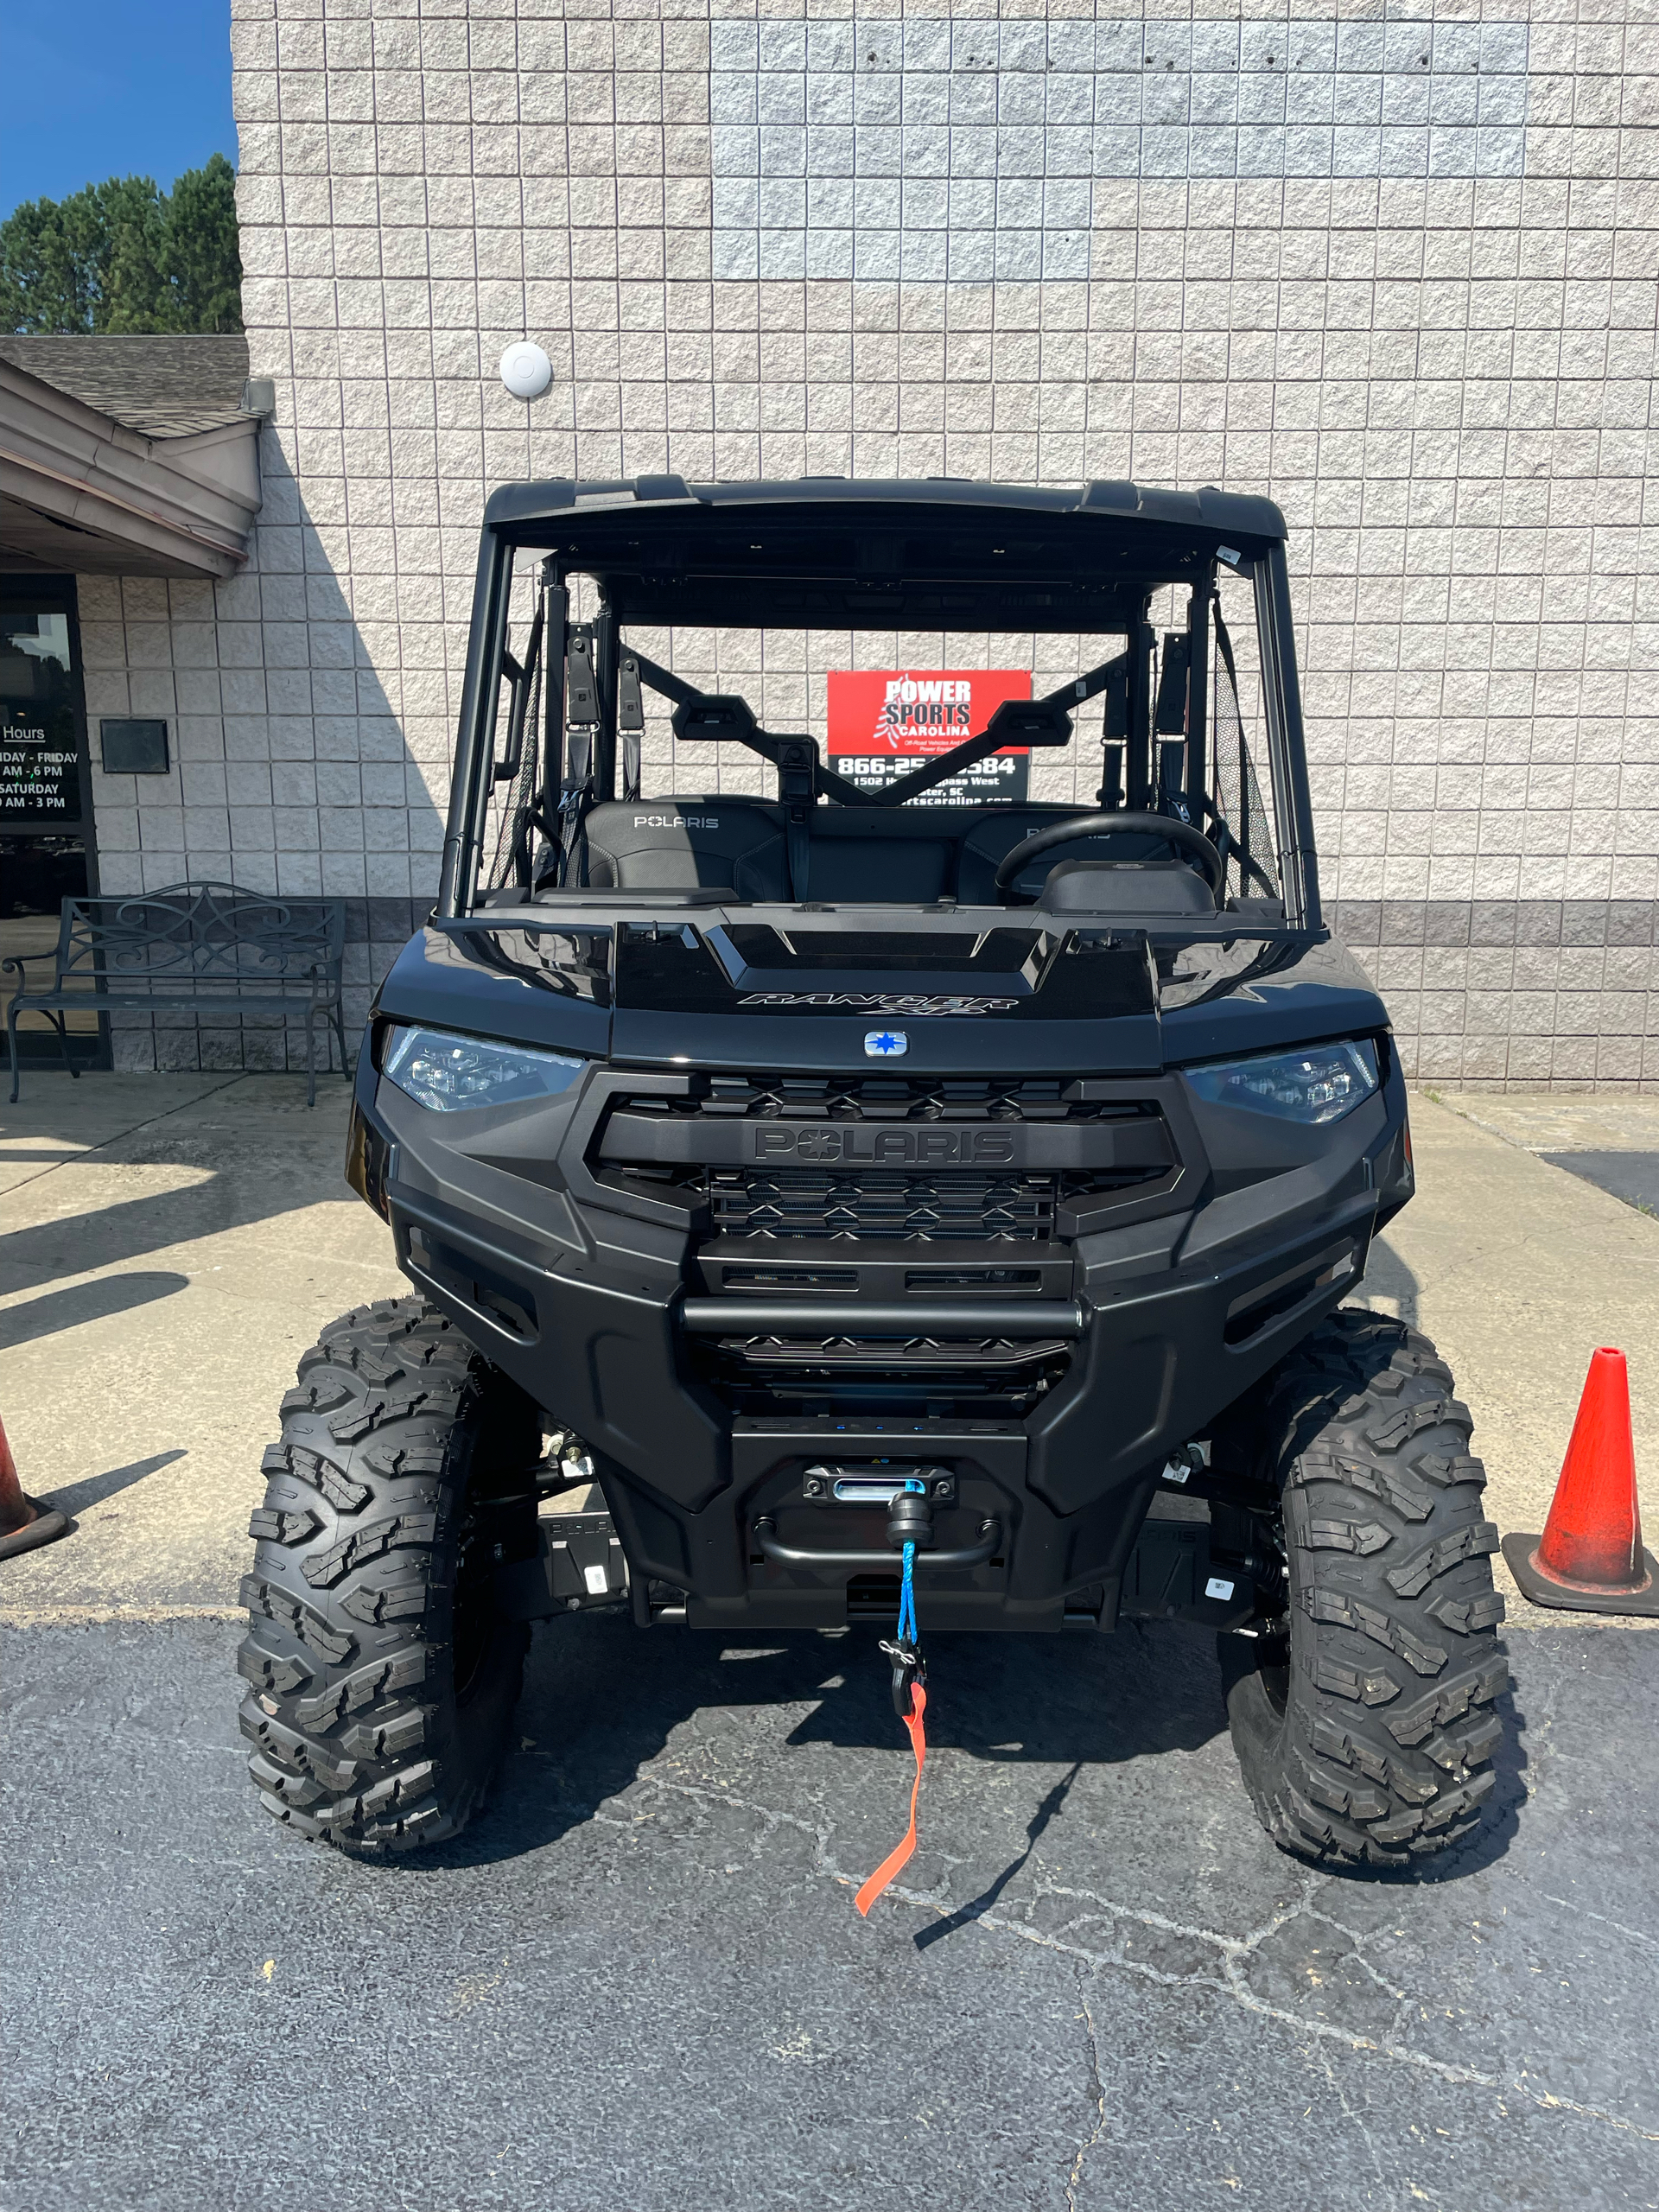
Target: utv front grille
892, 1158
966, 1208
1001, 1377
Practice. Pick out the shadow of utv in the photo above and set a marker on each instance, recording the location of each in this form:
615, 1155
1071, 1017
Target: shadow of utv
601, 1704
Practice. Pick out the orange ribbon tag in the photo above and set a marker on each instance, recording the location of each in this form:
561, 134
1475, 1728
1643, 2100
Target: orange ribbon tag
900, 1858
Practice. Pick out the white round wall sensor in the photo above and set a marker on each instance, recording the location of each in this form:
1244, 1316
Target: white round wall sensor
525, 370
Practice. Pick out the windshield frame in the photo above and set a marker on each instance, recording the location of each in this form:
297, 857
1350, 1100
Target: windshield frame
1187, 543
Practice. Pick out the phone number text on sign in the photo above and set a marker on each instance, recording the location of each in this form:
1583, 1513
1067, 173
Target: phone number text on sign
883, 721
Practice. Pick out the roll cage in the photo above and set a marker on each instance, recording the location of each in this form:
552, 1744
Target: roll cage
845, 554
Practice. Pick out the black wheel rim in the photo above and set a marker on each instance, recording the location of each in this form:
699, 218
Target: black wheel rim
1275, 1675
1276, 1640
472, 1616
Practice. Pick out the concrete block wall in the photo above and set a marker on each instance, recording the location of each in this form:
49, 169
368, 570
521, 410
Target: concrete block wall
1399, 273
289, 772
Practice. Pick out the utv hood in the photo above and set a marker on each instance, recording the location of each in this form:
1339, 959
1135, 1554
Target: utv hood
718, 992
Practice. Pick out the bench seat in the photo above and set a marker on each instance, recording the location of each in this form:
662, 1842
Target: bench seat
915, 856
193, 948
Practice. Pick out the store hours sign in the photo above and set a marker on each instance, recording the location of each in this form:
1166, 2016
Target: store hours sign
40, 776
883, 721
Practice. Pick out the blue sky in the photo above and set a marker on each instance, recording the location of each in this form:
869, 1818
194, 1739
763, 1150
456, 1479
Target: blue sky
97, 88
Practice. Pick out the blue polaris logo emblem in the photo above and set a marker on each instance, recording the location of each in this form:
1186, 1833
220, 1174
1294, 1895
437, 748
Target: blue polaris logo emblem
886, 1044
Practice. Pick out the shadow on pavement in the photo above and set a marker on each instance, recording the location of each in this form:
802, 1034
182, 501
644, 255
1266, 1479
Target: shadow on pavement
602, 1701
76, 1497
978, 1907
1387, 1277
85, 1301
260, 1189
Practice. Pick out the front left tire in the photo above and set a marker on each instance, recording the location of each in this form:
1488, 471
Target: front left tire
382, 1677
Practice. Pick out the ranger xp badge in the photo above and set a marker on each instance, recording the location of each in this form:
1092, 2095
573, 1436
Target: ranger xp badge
886, 1044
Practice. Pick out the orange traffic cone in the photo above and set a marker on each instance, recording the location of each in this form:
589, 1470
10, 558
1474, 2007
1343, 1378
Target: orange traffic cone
1590, 1559
24, 1526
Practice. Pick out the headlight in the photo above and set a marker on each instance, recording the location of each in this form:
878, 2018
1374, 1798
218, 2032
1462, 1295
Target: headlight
447, 1073
1320, 1084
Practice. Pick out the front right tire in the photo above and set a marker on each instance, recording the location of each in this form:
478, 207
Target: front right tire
1363, 1719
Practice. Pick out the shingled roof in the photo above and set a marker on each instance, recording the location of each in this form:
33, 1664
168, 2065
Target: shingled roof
128, 456
160, 387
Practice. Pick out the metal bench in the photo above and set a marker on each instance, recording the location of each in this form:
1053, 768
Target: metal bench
192, 947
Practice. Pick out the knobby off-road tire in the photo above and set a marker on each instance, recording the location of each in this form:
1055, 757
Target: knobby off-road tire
383, 1679
1365, 1728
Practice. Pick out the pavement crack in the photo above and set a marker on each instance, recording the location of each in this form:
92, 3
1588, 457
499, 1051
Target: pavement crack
1583, 1912
1227, 1980
1234, 1952
1330, 2073
1096, 2093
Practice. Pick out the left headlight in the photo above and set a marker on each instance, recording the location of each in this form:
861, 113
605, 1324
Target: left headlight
1320, 1083
447, 1073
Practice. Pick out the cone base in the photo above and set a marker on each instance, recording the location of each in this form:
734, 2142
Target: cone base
1541, 1590
46, 1528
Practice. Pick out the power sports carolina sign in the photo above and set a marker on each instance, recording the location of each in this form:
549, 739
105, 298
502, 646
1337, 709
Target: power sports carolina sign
883, 720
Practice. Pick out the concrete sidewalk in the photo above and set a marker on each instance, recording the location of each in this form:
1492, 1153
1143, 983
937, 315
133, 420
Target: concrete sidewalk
170, 1244
1518, 1271
168, 1247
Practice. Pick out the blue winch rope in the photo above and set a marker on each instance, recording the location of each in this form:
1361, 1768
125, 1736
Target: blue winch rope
910, 1697
907, 1628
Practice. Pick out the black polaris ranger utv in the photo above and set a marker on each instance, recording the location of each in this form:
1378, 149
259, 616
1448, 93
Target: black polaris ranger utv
852, 1163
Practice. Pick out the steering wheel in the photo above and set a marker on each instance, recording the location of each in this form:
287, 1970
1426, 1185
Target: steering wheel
1166, 826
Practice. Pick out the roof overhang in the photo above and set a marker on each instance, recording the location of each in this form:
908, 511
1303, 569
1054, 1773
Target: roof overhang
81, 492
883, 554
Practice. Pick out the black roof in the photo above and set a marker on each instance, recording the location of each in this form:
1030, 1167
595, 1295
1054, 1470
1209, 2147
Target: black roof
925, 553
1240, 512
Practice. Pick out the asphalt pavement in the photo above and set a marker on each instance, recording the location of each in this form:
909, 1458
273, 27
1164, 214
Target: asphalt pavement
639, 1980
1612, 1143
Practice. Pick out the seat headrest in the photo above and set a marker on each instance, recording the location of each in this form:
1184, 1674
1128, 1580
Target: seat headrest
666, 844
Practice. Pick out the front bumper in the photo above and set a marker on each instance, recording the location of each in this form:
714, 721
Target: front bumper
1177, 1297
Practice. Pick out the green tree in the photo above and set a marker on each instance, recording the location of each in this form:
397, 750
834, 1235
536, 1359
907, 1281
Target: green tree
203, 262
122, 256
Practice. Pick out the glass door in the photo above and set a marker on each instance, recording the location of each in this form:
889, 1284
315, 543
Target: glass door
46, 853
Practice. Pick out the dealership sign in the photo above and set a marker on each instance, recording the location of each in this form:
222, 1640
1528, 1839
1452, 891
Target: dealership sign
884, 721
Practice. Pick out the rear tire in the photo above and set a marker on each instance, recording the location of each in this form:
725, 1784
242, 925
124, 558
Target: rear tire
1363, 1724
384, 1680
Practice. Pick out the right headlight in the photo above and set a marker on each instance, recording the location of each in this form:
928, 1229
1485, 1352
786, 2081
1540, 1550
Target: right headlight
1320, 1082
447, 1073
